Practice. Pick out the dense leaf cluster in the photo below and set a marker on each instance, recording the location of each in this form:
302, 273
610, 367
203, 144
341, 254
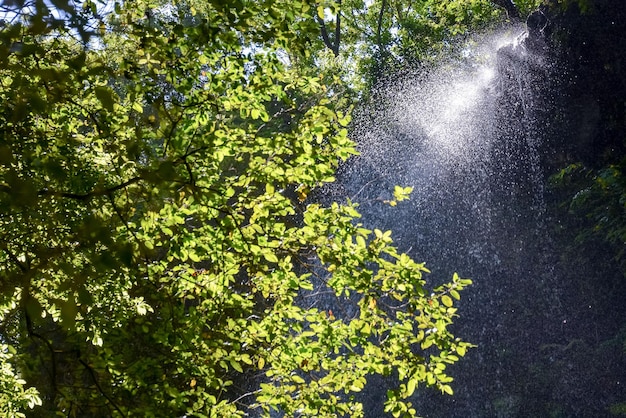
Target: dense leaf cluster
158, 247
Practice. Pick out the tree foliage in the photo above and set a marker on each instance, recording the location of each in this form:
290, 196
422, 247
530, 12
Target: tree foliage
158, 253
597, 197
370, 38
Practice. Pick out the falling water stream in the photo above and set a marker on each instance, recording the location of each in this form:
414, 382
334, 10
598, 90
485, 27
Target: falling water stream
467, 136
435, 132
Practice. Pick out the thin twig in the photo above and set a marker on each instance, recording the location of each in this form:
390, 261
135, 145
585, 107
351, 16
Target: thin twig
95, 380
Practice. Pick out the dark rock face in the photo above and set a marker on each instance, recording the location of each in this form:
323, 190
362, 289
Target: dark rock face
591, 46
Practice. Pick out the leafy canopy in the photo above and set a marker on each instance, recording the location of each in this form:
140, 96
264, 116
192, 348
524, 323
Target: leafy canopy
158, 253
365, 41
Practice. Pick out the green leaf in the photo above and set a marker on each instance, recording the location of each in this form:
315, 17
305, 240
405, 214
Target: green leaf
270, 256
33, 307
236, 365
105, 96
320, 11
410, 387
69, 310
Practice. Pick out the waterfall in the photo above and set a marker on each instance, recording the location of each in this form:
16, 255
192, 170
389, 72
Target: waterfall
443, 132
464, 135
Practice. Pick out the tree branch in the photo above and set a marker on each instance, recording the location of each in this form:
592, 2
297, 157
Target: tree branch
338, 29
95, 380
379, 40
333, 46
90, 195
324, 31
33, 334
